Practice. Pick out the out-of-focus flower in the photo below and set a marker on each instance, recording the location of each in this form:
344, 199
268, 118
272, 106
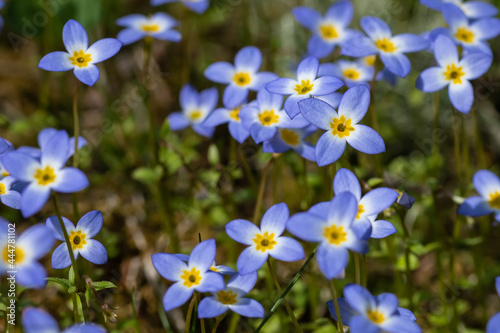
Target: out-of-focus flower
352, 72
197, 6
494, 322
473, 9
45, 174
380, 40
195, 109
334, 232
79, 56
363, 312
2, 4
37, 321
158, 26
9, 196
487, 202
231, 298
292, 138
264, 241
307, 85
454, 73
190, 276
328, 31
342, 127
81, 239
22, 257
231, 116
240, 77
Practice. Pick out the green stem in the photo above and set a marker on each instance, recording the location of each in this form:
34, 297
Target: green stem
217, 322
75, 308
435, 146
456, 146
333, 292
233, 324
357, 267
189, 314
260, 196
147, 101
406, 237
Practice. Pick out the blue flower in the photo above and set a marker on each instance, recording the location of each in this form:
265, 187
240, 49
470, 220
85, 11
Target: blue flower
307, 85
190, 276
80, 238
224, 270
369, 205
34, 243
36, 321
494, 322
231, 116
342, 127
333, 230
197, 6
292, 138
231, 298
5, 147
264, 241
263, 116
472, 9
471, 35
363, 312
79, 56
487, 202
195, 109
138, 26
241, 77
352, 72
381, 41
8, 195
454, 73
45, 174
328, 31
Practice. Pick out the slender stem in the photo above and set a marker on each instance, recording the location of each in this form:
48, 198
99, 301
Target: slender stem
147, 101
190, 314
217, 322
202, 321
165, 219
478, 141
75, 308
248, 171
435, 146
233, 324
406, 236
305, 190
364, 272
456, 146
357, 267
333, 291
260, 196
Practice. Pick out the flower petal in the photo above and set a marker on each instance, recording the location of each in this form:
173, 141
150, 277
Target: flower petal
242, 231
329, 149
36, 241
307, 17
32, 275
398, 64
366, 140
346, 311
382, 229
177, 121
217, 117
198, 7
104, 49
318, 112
409, 43
475, 65
94, 252
91, 223
238, 132
209, 98
35, 321
287, 249
292, 104
70, 180
432, 79
461, 95
318, 47
20, 166
377, 200
343, 209
387, 303
56, 62
363, 324
210, 308
53, 224
33, 199
260, 79
445, 51
308, 69
479, 9
176, 296
454, 16
244, 282
326, 85
248, 308
331, 260
307, 226
375, 28
220, 72
486, 28
491, 327
75, 37
169, 265
55, 151
211, 282
234, 96
355, 103
248, 59
281, 86
60, 257
88, 75
359, 298
475, 206
346, 181
250, 260
341, 13
262, 133
359, 46
397, 324
274, 220
486, 183
203, 255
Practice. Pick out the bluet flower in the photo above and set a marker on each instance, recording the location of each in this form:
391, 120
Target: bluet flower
197, 6
79, 56
472, 9
494, 322
190, 276
81, 239
195, 109
352, 72
45, 174
231, 116
487, 202
158, 26
292, 138
224, 270
334, 232
264, 241
22, 257
264, 116
380, 40
241, 77
328, 31
454, 73
342, 127
308, 84
363, 312
38, 321
8, 195
231, 298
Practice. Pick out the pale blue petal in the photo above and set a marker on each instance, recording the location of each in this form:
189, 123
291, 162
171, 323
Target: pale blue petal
75, 37
198, 7
287, 249
359, 298
260, 79
36, 321
53, 224
363, 230
318, 47
486, 28
308, 151
397, 324
242, 231
333, 99
32, 275
360, 46
169, 265
210, 308
375, 28
177, 121
343, 209
20, 166
346, 311
387, 303
366, 140
176, 296
364, 325
85, 328
486, 183
55, 151
398, 64
262, 133
274, 220
169, 35
346, 181
475, 65
94, 252
355, 103
281, 86
203, 255
248, 308
454, 16
130, 20
307, 17
433, 4
326, 85
234, 96
292, 104
248, 59
329, 69
217, 117
329, 149
382, 229
307, 226
475, 206
238, 132
104, 49
377, 200
409, 43
269, 101
445, 51
493, 324
211, 282
37, 240
407, 314
209, 98
341, 13
60, 257
220, 72
308, 69
244, 282
56, 62
318, 112
33, 199
90, 223
461, 96
331, 260
432, 79
479, 9
88, 75
250, 260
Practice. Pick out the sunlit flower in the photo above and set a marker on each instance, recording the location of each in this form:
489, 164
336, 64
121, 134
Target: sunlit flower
264, 241
292, 138
197, 6
472, 9
494, 322
231, 298
79, 56
158, 26
37, 321
81, 239
352, 72
22, 257
487, 202
231, 116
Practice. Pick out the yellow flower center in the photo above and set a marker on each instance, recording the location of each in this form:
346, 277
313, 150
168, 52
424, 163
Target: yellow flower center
341, 127
45, 176
191, 278
195, 115
241, 79
77, 239
335, 235
80, 59
375, 316
2, 189
370, 60
361, 210
5, 174
150, 27
351, 74
454, 73
235, 114
328, 31
264, 242
290, 137
227, 297
464, 35
214, 269
385, 45
268, 118
304, 87
15, 255
494, 201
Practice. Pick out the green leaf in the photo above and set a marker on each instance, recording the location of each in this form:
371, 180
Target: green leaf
148, 176
213, 155
63, 282
372, 182
71, 290
71, 275
99, 285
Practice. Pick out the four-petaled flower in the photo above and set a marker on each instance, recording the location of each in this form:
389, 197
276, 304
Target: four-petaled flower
190, 276
292, 138
266, 241
306, 85
35, 321
342, 127
80, 238
197, 6
138, 26
352, 72
487, 202
79, 56
473, 9
231, 298
231, 116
